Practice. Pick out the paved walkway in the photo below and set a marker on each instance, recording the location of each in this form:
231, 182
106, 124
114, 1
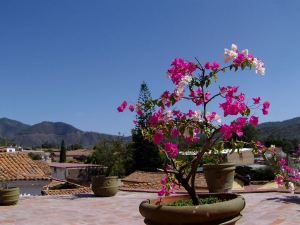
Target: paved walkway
261, 209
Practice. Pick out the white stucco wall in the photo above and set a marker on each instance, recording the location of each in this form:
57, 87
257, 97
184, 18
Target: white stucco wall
29, 187
58, 173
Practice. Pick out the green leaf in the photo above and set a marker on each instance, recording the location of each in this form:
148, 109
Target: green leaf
236, 67
224, 70
215, 77
247, 112
173, 100
208, 82
244, 64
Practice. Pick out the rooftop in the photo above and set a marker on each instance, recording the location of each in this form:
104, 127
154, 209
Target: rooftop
18, 166
72, 165
261, 209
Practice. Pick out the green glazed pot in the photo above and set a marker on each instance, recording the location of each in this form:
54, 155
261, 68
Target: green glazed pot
219, 177
9, 196
156, 212
105, 186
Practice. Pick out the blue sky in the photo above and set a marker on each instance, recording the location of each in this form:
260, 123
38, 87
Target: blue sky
76, 61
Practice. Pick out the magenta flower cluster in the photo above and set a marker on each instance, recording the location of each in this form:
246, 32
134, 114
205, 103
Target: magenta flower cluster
168, 126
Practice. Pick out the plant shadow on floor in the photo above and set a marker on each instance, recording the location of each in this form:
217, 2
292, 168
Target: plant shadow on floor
286, 199
86, 195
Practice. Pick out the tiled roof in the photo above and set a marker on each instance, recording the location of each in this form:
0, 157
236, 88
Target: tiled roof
18, 166
44, 166
72, 165
51, 189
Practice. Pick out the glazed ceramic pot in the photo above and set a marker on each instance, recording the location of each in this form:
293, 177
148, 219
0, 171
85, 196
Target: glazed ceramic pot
157, 212
219, 177
9, 196
103, 186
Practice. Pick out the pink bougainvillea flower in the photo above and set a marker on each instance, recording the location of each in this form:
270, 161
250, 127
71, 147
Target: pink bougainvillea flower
172, 150
260, 147
237, 128
164, 180
226, 132
211, 116
122, 107
158, 138
241, 121
266, 106
131, 108
163, 191
191, 140
253, 121
279, 180
282, 162
197, 130
215, 66
175, 132
156, 118
207, 65
256, 100
138, 110
241, 97
240, 59
180, 68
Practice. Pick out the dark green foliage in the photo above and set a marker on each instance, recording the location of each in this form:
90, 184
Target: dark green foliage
34, 156
288, 146
202, 201
112, 154
62, 154
75, 147
146, 155
265, 174
250, 133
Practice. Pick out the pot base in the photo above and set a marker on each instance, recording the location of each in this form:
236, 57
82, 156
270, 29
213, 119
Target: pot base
228, 222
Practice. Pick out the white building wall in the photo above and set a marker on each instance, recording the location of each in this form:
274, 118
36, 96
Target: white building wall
58, 173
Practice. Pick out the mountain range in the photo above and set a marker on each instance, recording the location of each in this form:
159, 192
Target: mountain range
50, 133
53, 132
288, 129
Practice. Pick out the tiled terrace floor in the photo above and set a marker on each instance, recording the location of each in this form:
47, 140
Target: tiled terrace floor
261, 209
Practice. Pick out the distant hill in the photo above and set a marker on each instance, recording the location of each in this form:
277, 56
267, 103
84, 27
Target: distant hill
288, 129
53, 132
48, 132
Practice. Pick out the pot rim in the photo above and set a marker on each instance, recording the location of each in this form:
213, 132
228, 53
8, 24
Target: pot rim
151, 202
221, 165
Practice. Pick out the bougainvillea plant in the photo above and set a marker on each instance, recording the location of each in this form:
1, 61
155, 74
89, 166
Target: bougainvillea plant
201, 131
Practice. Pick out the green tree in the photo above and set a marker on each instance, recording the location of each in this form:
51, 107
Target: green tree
146, 155
62, 155
110, 153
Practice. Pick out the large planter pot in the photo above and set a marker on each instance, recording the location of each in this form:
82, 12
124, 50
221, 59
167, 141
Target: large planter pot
156, 212
105, 186
219, 177
9, 196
